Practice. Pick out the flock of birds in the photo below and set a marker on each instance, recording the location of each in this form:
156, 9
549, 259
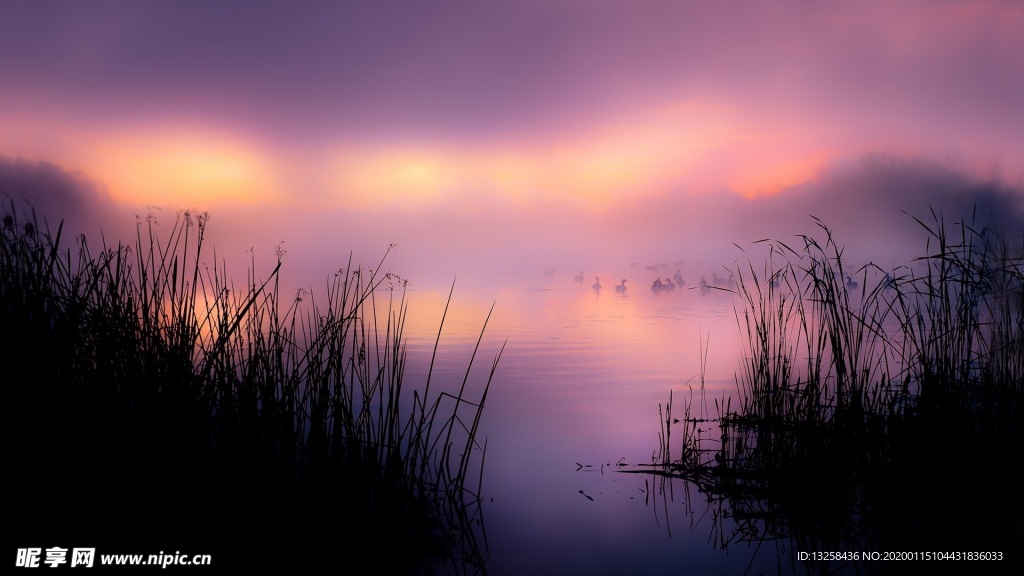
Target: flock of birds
670, 283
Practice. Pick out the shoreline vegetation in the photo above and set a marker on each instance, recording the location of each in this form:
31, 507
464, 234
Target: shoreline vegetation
157, 405
877, 410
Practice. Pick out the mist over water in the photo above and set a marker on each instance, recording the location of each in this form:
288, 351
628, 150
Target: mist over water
870, 210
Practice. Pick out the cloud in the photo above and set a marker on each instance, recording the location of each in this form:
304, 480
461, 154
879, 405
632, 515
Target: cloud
473, 71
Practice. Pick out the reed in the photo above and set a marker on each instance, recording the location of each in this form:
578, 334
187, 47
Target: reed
144, 375
859, 402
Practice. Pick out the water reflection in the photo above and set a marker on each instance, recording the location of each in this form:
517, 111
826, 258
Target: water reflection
579, 382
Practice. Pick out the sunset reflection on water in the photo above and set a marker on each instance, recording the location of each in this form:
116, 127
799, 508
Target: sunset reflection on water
577, 390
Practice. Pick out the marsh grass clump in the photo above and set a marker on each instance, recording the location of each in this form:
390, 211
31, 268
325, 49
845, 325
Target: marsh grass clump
148, 389
869, 397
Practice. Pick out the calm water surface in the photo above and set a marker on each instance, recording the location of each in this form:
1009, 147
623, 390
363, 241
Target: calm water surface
580, 382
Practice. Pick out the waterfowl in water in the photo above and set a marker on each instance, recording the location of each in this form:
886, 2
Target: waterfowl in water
851, 284
621, 288
579, 277
659, 286
597, 283
679, 278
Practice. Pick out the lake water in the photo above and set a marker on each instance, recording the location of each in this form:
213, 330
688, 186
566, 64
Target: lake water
576, 393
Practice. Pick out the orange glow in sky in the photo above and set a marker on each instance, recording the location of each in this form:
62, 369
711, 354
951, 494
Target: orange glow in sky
696, 147
699, 147
189, 169
642, 153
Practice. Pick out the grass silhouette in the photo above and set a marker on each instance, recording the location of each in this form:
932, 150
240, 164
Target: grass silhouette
155, 405
864, 407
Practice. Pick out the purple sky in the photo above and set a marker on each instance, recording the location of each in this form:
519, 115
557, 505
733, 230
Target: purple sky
534, 124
